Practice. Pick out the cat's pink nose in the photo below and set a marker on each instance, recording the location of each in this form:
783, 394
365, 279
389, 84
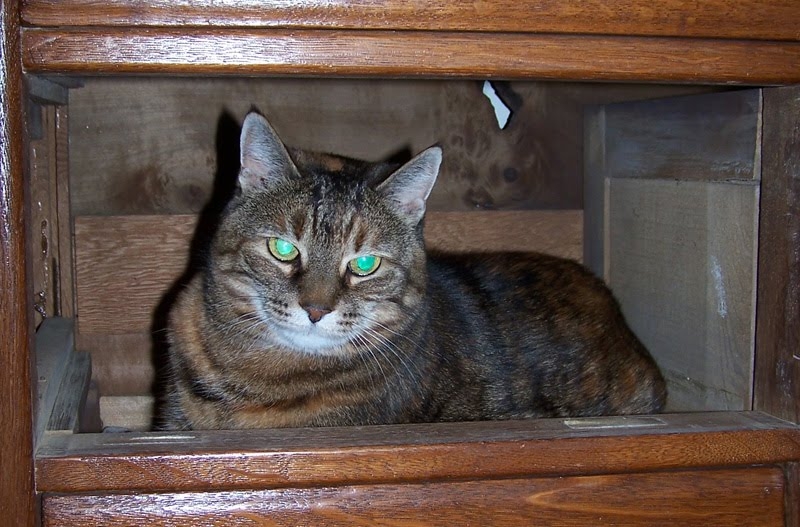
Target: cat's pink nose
315, 313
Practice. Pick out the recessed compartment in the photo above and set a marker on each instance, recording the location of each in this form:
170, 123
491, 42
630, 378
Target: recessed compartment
655, 188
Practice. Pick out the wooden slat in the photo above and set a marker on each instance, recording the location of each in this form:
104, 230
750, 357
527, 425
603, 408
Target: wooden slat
710, 18
66, 414
714, 137
43, 221
248, 459
682, 264
17, 499
410, 53
54, 348
125, 264
66, 279
777, 381
752, 497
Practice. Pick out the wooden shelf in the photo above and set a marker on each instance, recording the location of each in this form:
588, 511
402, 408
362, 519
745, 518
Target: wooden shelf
632, 40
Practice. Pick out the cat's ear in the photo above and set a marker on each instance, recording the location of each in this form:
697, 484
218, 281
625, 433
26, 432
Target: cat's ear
264, 159
410, 185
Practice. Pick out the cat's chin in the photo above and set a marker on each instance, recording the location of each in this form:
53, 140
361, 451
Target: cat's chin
311, 342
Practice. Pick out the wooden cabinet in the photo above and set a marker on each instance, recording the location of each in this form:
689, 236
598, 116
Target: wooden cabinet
735, 465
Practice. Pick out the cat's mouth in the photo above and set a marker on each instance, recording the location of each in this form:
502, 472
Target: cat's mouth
313, 340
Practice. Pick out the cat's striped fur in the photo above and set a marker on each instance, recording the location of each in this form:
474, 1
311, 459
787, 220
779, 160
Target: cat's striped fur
424, 338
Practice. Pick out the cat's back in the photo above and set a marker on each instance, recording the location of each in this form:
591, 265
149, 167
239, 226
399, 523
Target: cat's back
552, 327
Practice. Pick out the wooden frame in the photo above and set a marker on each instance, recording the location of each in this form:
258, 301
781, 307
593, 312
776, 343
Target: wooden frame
716, 42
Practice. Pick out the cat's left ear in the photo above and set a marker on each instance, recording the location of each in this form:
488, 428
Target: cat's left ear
264, 159
410, 185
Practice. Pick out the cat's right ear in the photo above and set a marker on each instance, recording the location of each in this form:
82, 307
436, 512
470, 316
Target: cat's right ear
264, 159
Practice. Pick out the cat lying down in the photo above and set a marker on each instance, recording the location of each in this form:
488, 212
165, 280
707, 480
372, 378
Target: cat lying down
318, 305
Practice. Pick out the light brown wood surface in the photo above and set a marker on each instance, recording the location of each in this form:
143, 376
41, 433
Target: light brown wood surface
202, 51
752, 497
257, 459
711, 18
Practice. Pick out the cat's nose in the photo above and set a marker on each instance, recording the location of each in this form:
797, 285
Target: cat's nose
315, 313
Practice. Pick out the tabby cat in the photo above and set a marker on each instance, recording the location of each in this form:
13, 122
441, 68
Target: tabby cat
318, 305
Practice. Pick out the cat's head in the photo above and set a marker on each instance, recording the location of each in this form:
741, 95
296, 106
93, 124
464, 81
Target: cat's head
320, 254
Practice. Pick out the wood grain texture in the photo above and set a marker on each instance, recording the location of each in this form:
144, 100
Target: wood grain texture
792, 494
122, 363
17, 501
711, 18
682, 265
713, 137
777, 380
408, 53
279, 458
752, 497
43, 213
66, 279
160, 145
124, 264
54, 349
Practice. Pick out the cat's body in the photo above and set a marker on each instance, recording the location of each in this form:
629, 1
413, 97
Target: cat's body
318, 306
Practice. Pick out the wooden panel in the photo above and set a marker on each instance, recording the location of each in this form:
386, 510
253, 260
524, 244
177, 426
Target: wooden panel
777, 388
682, 265
716, 498
127, 412
54, 347
122, 364
710, 137
65, 288
711, 18
168, 158
17, 500
123, 267
43, 221
137, 258
247, 459
392, 54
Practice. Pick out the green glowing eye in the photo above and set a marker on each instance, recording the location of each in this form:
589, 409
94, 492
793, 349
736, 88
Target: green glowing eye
282, 250
364, 265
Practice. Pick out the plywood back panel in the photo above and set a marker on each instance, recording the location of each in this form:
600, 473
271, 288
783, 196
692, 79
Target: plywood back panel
125, 266
160, 145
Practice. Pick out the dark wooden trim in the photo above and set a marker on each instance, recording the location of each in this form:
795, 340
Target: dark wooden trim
259, 459
792, 494
409, 53
777, 367
17, 501
773, 20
